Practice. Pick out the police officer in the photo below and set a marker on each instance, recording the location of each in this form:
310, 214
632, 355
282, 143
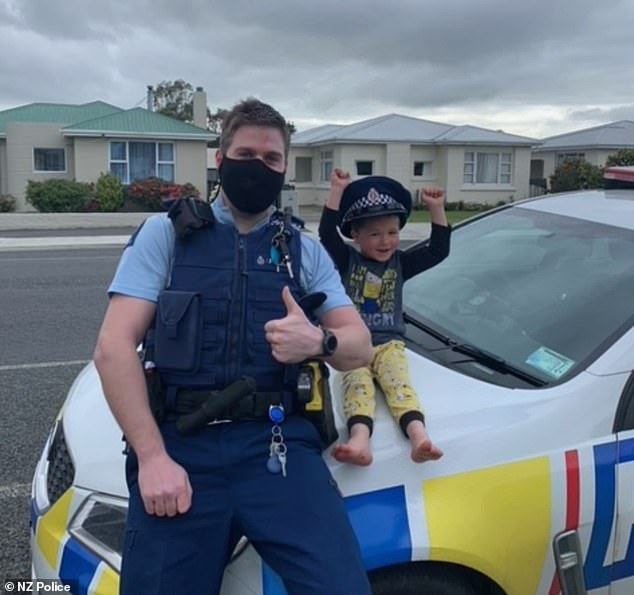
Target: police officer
217, 305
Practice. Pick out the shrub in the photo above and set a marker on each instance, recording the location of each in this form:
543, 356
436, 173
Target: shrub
91, 206
59, 196
621, 157
576, 174
108, 193
7, 203
152, 193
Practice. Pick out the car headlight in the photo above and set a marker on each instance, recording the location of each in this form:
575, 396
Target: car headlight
61, 470
100, 526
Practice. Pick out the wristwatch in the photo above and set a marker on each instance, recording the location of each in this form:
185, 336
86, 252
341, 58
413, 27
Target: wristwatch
329, 343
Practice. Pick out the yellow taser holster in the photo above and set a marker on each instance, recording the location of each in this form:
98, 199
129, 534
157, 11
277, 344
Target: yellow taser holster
315, 399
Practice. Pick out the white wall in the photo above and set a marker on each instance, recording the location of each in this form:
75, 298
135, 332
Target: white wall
350, 154
521, 172
437, 176
191, 164
396, 161
298, 152
92, 159
21, 139
314, 192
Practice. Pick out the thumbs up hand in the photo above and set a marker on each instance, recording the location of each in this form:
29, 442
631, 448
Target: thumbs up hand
293, 338
292, 307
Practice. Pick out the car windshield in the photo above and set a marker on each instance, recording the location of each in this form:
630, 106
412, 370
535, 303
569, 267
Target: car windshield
528, 292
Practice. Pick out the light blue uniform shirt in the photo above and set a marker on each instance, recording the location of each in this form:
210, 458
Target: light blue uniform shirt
144, 268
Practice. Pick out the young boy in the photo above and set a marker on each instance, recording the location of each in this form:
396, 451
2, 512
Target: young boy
371, 211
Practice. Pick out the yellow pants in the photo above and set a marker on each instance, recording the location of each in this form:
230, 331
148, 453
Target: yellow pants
389, 368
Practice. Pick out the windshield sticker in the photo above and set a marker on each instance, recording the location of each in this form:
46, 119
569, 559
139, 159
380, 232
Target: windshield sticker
549, 361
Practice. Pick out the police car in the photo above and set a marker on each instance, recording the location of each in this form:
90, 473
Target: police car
521, 347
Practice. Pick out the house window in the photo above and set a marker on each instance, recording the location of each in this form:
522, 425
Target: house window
303, 169
505, 167
119, 160
364, 168
487, 168
561, 157
165, 161
49, 160
131, 161
422, 169
325, 165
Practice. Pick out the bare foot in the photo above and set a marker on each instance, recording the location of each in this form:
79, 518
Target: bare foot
422, 447
425, 451
352, 453
357, 450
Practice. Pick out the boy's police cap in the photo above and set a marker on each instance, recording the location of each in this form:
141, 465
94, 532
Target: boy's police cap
373, 196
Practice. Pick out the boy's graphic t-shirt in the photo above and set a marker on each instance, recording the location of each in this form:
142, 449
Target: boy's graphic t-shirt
376, 290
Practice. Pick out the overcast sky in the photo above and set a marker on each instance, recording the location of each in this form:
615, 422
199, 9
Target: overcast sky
536, 68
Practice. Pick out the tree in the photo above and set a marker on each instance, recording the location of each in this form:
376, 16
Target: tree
576, 174
621, 157
175, 99
215, 120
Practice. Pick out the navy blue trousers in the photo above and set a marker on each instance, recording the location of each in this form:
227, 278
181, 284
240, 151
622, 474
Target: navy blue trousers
298, 523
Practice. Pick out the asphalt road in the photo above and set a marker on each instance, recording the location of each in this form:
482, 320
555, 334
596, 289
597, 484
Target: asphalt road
51, 306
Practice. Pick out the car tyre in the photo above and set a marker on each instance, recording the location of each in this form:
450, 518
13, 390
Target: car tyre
428, 580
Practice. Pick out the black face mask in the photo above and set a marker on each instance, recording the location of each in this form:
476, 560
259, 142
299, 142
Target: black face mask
249, 184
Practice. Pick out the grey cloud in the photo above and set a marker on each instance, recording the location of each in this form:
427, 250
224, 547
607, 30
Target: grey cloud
612, 114
335, 60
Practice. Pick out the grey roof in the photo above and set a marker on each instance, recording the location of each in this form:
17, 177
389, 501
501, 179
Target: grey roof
474, 135
315, 134
406, 129
615, 135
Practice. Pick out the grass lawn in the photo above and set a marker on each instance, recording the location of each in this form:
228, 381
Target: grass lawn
419, 216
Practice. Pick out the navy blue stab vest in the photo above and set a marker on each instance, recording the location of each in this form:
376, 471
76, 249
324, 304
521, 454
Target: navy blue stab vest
241, 290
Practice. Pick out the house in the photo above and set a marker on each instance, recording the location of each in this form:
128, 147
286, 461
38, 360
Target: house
473, 164
592, 144
40, 141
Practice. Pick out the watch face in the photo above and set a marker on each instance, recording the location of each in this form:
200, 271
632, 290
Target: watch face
329, 343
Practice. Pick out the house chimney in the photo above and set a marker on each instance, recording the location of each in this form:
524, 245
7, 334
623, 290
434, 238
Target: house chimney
200, 107
150, 98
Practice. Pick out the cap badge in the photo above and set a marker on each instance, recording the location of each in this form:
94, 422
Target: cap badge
373, 197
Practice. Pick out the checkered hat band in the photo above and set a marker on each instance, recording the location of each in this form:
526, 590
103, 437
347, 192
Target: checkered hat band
378, 200
373, 203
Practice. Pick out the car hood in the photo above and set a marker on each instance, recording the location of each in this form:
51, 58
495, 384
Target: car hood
475, 423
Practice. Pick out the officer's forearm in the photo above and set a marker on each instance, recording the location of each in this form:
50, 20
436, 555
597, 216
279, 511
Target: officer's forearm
124, 387
354, 347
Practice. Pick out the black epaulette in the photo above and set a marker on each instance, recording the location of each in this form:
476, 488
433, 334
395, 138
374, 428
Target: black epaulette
189, 214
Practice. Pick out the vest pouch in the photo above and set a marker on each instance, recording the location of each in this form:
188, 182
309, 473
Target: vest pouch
178, 332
